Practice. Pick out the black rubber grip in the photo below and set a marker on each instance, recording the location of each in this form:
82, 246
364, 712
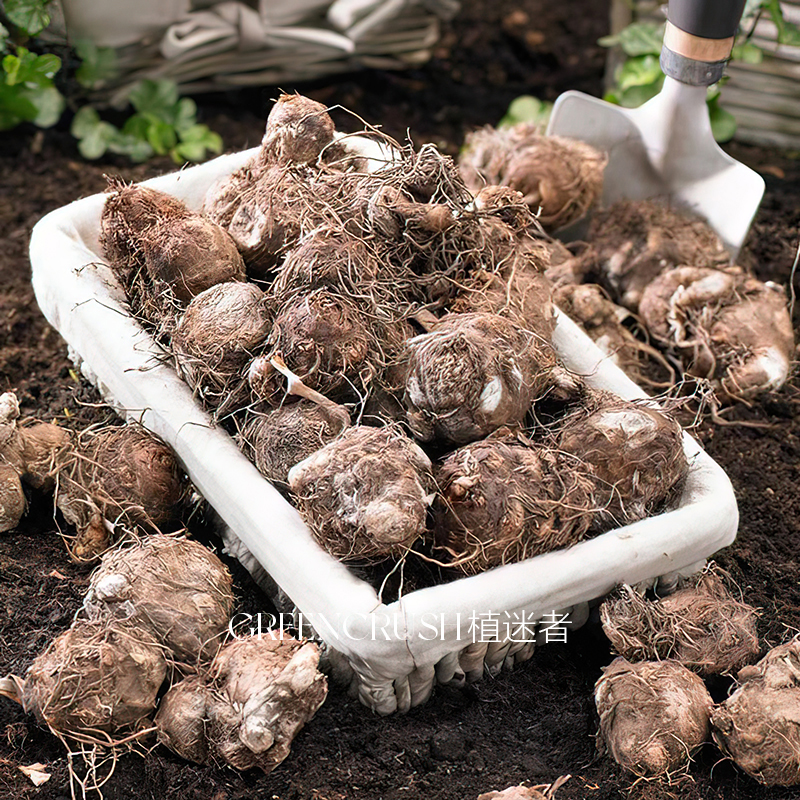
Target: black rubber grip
708, 19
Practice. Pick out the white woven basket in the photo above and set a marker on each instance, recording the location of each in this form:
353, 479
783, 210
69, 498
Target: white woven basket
395, 656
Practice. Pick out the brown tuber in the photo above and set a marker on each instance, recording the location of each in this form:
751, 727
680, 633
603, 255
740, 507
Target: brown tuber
176, 589
298, 129
473, 373
100, 677
559, 178
634, 451
217, 336
249, 706
726, 325
508, 498
701, 625
366, 494
118, 476
653, 715
144, 229
758, 726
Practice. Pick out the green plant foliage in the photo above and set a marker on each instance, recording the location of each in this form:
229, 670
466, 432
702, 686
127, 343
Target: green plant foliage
788, 32
527, 109
723, 123
30, 16
98, 64
164, 124
27, 91
637, 39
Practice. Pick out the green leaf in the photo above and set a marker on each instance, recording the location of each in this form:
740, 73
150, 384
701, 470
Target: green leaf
84, 122
747, 53
49, 104
639, 71
4, 34
135, 147
98, 64
136, 125
15, 107
723, 123
29, 15
30, 69
527, 109
161, 136
97, 141
637, 39
788, 32
636, 95
155, 97
195, 141
185, 114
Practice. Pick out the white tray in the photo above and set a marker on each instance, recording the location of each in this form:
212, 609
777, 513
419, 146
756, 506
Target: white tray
397, 667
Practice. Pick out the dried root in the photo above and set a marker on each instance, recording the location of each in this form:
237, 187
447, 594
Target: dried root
560, 179
726, 325
246, 711
701, 625
474, 373
653, 716
506, 499
365, 495
119, 477
757, 726
99, 678
635, 453
176, 589
634, 241
215, 339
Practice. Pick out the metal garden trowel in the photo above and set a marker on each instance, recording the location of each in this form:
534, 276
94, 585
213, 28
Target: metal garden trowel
665, 148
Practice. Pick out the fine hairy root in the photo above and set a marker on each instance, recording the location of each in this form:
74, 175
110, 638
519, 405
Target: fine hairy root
701, 625
507, 498
117, 478
176, 589
559, 178
757, 726
97, 679
726, 325
653, 715
635, 453
248, 707
366, 494
474, 373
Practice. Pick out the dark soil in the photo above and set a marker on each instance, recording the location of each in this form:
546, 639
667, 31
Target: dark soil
533, 724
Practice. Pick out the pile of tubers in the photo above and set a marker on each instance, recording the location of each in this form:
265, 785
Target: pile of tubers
379, 339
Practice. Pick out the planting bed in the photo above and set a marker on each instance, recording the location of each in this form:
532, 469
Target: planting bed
533, 724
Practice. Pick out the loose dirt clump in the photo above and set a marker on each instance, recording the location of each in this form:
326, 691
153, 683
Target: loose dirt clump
653, 715
701, 625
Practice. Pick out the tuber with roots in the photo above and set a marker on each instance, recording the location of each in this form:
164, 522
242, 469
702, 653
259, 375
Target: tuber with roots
508, 498
176, 589
118, 478
653, 715
559, 178
701, 625
726, 325
758, 726
366, 494
153, 241
99, 678
215, 339
248, 707
635, 453
544, 791
473, 373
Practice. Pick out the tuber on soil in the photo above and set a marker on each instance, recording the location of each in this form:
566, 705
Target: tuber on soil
634, 452
118, 476
726, 325
544, 791
248, 707
473, 373
217, 336
153, 242
176, 589
99, 677
758, 726
653, 715
560, 179
508, 498
701, 625
366, 494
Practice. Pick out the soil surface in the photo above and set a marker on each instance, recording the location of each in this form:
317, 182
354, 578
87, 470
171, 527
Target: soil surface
532, 724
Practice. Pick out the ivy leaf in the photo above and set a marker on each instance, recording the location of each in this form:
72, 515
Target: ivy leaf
93, 134
527, 109
135, 147
637, 39
184, 114
15, 107
84, 121
49, 104
161, 135
639, 71
155, 97
29, 15
98, 64
195, 141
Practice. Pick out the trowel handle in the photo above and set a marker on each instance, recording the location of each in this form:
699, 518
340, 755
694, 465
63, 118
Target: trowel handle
699, 38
